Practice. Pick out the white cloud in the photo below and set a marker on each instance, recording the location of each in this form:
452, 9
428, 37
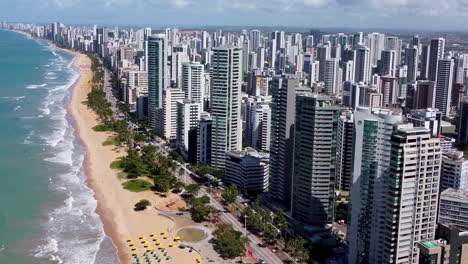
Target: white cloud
181, 3
61, 3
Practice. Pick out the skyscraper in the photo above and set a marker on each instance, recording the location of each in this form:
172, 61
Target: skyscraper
371, 161
437, 50
157, 81
331, 76
363, 67
412, 55
226, 83
193, 81
283, 107
463, 123
344, 151
425, 53
395, 189
444, 84
314, 159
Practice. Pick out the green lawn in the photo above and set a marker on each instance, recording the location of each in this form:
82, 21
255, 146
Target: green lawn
102, 128
109, 141
137, 185
116, 165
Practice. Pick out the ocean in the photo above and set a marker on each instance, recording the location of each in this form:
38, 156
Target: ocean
47, 212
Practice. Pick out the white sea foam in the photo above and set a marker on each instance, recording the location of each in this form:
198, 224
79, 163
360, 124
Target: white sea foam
74, 231
35, 86
12, 98
17, 107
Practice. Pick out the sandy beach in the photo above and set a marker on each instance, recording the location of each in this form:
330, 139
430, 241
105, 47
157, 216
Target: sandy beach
115, 204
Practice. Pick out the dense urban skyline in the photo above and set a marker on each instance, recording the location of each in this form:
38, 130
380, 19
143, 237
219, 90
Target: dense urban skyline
400, 14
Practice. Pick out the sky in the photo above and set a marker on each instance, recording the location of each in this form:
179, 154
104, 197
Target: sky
359, 14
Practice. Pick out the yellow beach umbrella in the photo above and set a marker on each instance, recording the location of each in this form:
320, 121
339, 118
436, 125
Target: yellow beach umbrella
163, 232
131, 244
160, 247
134, 248
155, 239
177, 237
134, 253
146, 245
148, 249
143, 241
198, 259
165, 236
152, 234
129, 239
171, 244
157, 242
141, 237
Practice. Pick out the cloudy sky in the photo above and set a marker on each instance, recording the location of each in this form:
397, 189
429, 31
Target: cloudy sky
409, 14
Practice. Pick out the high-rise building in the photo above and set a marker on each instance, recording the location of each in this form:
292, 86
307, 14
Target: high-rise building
412, 55
157, 81
323, 53
188, 118
425, 53
169, 115
314, 159
193, 82
283, 107
344, 151
437, 51
331, 77
258, 124
376, 43
444, 84
248, 169
204, 138
226, 83
412, 194
363, 67
387, 66
394, 196
389, 89
454, 172
425, 91
371, 165
463, 122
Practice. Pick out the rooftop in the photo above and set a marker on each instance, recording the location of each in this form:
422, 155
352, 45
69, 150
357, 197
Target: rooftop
453, 193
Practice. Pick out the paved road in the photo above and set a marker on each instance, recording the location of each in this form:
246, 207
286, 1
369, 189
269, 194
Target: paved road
258, 252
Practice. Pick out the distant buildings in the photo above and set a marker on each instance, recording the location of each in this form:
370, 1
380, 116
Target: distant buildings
449, 248
454, 172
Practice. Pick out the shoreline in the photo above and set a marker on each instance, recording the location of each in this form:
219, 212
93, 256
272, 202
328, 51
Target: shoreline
115, 205
110, 229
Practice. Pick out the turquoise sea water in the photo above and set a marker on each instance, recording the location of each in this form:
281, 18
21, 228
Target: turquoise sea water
46, 209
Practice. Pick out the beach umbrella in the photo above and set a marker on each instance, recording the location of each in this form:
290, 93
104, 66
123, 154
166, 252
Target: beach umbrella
155, 238
143, 241
131, 244
134, 248
165, 236
134, 253
146, 245
177, 238
157, 243
152, 234
171, 244
198, 260
129, 239
163, 232
149, 249
141, 237
160, 247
